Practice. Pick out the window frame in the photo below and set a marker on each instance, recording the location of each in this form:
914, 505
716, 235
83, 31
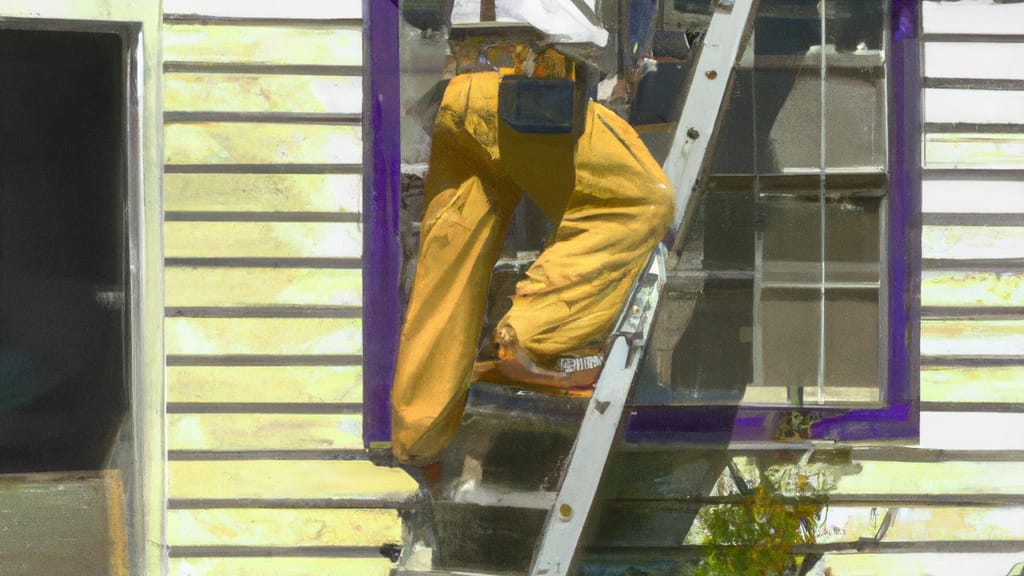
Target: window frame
897, 418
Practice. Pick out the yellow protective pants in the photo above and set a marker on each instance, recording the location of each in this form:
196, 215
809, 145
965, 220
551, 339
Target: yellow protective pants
611, 203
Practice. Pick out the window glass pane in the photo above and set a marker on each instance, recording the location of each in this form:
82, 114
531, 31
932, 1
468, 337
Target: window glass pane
789, 108
791, 239
791, 329
737, 138
729, 216
854, 25
851, 338
852, 238
855, 129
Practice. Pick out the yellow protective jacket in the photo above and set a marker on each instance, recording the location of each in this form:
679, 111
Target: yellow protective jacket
611, 202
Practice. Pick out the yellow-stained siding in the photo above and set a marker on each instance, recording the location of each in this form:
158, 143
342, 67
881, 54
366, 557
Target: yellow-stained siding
215, 336
312, 9
262, 201
264, 432
266, 44
928, 564
258, 143
240, 287
265, 384
972, 337
365, 493
262, 239
966, 384
340, 193
972, 289
279, 566
333, 479
262, 527
972, 242
288, 93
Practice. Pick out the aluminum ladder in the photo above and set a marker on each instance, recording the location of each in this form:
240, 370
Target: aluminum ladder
711, 77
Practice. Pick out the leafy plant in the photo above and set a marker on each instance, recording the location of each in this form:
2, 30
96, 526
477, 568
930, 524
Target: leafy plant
756, 536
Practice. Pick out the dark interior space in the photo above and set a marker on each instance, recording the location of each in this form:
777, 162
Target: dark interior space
63, 250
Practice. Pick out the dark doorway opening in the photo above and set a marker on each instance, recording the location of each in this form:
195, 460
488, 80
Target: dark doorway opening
64, 336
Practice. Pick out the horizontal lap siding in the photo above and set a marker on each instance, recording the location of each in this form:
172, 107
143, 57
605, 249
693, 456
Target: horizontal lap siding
245, 193
972, 295
263, 329
287, 566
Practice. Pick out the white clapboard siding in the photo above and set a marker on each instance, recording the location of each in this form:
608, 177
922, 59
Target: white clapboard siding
279, 93
921, 564
264, 432
972, 17
973, 384
281, 527
972, 196
279, 479
311, 385
961, 430
293, 9
973, 290
985, 60
285, 566
261, 143
976, 106
290, 193
971, 346
993, 338
296, 45
972, 242
974, 150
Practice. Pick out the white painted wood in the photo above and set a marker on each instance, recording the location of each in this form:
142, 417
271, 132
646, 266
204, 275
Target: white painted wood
704, 102
972, 197
981, 106
972, 431
951, 564
305, 9
974, 150
972, 242
972, 17
994, 338
974, 60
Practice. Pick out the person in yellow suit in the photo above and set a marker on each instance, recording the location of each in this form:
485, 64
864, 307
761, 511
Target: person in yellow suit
611, 204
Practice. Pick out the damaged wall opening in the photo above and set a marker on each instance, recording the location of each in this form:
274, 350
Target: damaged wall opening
64, 336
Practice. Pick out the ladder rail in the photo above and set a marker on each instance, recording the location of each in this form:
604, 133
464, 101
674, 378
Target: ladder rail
599, 428
711, 78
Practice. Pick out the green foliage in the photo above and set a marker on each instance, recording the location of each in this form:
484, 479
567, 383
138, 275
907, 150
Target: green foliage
756, 537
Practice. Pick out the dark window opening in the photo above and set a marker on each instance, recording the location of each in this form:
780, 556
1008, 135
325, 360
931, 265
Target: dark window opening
63, 250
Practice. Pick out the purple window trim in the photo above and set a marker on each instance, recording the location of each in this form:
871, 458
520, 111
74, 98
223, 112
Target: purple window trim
382, 253
382, 258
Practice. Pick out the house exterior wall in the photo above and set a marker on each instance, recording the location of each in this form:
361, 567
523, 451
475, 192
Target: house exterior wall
263, 238
262, 163
139, 21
